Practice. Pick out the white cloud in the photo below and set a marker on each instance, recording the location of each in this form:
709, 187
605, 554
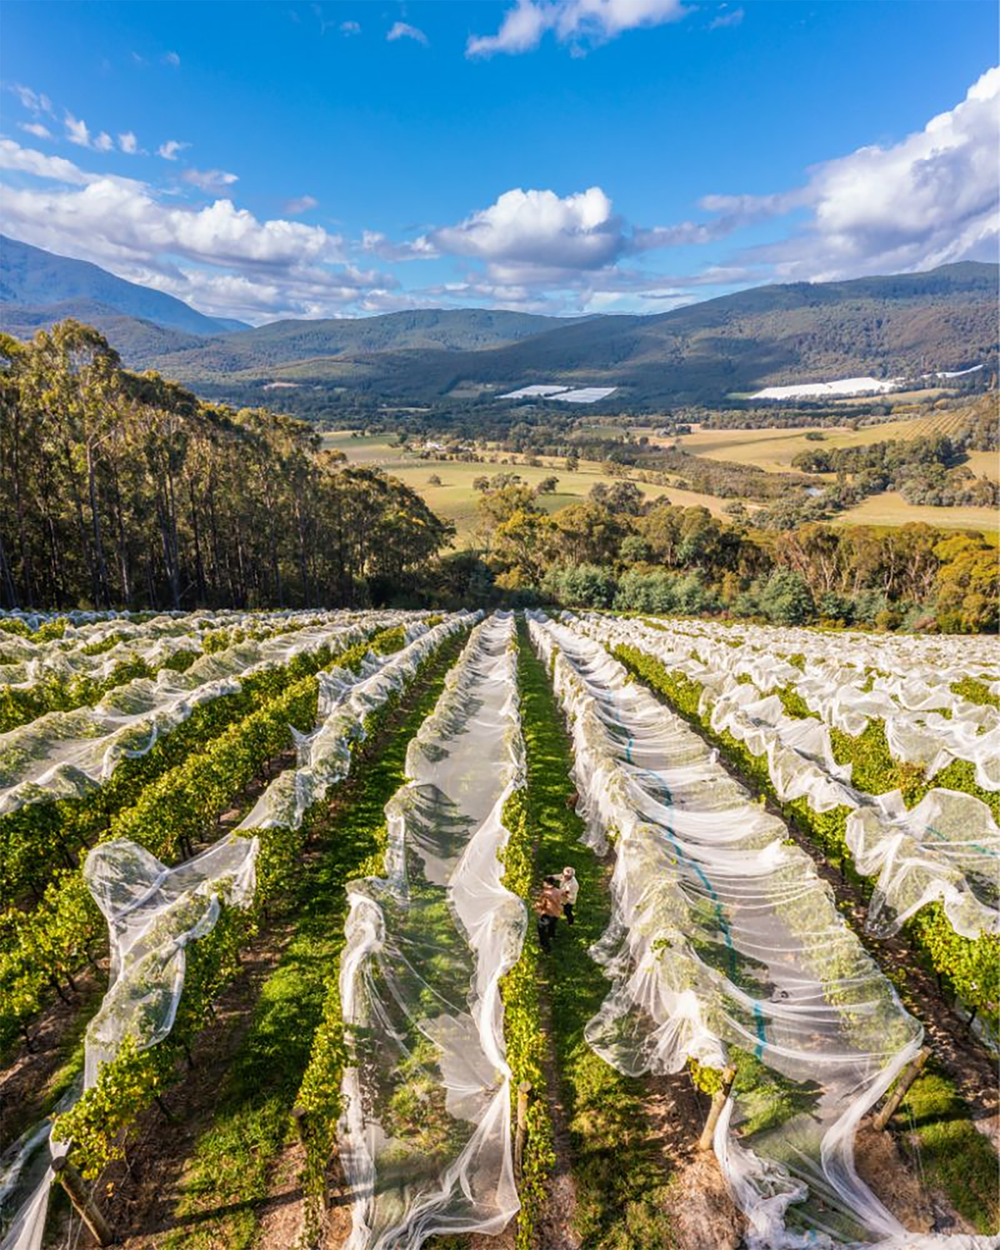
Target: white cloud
379, 245
128, 143
724, 19
34, 101
78, 132
220, 257
403, 30
928, 200
171, 59
209, 179
540, 230
299, 204
572, 21
350, 28
28, 161
36, 129
170, 149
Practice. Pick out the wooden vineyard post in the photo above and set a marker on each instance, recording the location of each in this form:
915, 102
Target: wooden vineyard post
521, 1133
299, 1116
84, 1205
718, 1102
908, 1076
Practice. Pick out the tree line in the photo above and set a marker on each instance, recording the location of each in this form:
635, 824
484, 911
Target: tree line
617, 550
124, 490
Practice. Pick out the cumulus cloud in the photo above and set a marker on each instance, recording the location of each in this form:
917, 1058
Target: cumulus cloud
350, 28
403, 30
171, 59
927, 200
53, 168
540, 230
221, 257
209, 179
299, 204
128, 143
36, 129
572, 21
171, 148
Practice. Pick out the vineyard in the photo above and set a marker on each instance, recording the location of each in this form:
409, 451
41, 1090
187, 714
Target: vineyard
270, 973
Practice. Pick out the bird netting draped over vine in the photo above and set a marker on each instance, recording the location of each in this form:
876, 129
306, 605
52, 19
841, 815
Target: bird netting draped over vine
96, 651
726, 946
64, 754
425, 1137
946, 847
155, 911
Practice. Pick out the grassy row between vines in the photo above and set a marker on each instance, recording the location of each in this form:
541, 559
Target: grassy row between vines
618, 1172
298, 1008
935, 1120
134, 1079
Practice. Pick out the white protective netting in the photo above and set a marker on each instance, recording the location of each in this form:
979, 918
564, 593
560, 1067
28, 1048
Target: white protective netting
848, 679
947, 847
64, 754
155, 911
154, 642
425, 1136
725, 945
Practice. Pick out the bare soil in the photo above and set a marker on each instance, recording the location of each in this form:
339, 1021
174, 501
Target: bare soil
26, 1084
702, 1212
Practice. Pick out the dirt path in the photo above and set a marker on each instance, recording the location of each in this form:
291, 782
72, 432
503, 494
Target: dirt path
556, 1220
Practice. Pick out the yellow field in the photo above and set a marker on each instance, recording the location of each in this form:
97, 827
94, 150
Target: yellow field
774, 449
890, 509
455, 499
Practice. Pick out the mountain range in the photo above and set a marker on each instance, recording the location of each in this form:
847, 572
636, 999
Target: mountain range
44, 288
901, 325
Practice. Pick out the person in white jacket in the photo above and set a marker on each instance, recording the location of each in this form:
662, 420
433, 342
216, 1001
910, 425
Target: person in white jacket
570, 889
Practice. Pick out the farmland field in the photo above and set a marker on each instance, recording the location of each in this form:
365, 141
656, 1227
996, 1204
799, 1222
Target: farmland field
267, 939
774, 449
454, 498
891, 509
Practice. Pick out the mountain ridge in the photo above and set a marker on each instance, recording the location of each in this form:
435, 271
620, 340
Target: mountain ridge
772, 335
31, 277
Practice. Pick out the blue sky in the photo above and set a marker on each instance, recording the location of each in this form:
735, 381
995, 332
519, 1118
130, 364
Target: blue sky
297, 159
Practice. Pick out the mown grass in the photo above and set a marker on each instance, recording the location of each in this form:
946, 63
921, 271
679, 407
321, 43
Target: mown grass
953, 1156
230, 1168
619, 1175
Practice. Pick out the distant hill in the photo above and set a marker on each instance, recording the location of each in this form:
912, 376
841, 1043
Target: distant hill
34, 279
775, 335
899, 325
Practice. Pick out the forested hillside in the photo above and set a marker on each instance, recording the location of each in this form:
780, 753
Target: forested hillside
900, 326
123, 490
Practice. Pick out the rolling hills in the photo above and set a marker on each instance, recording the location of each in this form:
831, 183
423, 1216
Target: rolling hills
900, 325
